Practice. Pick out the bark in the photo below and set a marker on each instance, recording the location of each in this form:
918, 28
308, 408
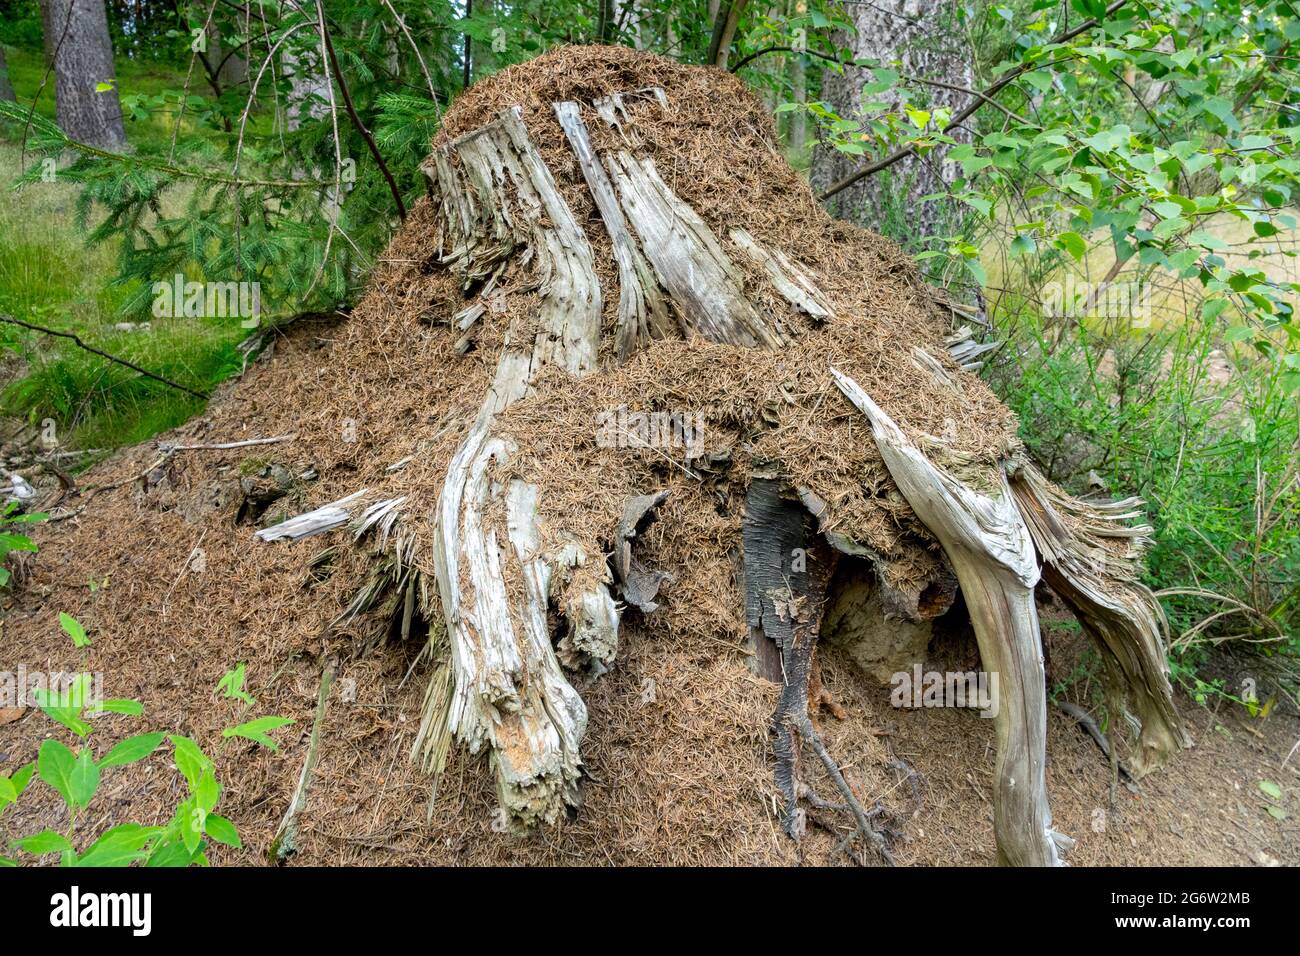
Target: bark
927, 40
77, 38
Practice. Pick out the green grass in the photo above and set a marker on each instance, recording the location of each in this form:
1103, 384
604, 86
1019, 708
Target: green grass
49, 275
27, 73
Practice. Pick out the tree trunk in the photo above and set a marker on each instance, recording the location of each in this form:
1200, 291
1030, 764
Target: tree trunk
6, 88
930, 44
77, 38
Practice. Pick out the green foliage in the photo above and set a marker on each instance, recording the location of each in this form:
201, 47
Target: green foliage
75, 775
11, 540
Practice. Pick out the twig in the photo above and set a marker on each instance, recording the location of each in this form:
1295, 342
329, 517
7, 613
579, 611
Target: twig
805, 728
286, 835
224, 446
112, 358
1088, 723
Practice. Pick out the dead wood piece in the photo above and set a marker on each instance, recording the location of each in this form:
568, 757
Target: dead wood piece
319, 520
792, 281
992, 553
642, 312
1089, 724
509, 695
637, 584
787, 572
613, 110
687, 258
1092, 560
285, 841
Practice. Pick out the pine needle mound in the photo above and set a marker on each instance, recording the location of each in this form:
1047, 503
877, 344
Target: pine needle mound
677, 755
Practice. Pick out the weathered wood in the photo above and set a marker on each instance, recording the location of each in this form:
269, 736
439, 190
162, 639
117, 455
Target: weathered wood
509, 695
990, 549
642, 312
285, 841
1092, 560
776, 533
788, 569
791, 280
638, 585
704, 284
325, 518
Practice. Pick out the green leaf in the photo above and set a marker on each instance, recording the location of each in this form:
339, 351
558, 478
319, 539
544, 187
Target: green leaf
1073, 243
131, 749
84, 778
72, 627
119, 705
223, 831
192, 819
1270, 789
119, 846
171, 853
11, 788
256, 730
55, 764
66, 706
190, 760
1022, 245
207, 791
39, 844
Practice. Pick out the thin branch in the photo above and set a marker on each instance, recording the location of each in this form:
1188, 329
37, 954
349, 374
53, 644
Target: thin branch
356, 121
112, 358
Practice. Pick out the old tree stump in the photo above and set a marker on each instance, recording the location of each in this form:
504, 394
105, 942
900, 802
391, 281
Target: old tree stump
841, 417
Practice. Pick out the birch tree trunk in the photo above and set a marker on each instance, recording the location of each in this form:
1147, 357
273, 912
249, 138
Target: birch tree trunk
77, 39
927, 39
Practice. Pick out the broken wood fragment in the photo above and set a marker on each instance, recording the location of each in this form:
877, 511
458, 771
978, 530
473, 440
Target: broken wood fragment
637, 584
793, 282
990, 549
642, 312
1092, 560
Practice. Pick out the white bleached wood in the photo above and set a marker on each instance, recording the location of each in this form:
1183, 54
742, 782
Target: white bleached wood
1092, 561
704, 284
793, 282
509, 695
325, 518
991, 552
642, 312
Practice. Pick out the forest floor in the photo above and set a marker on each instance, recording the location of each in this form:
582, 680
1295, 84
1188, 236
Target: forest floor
682, 775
